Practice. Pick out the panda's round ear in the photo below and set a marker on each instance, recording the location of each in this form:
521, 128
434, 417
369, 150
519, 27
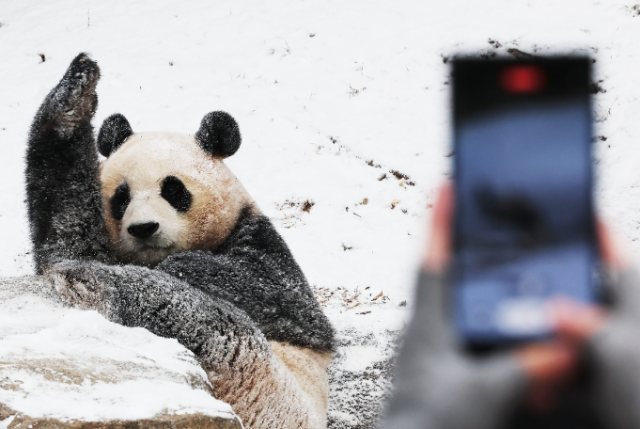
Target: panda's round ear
219, 134
113, 132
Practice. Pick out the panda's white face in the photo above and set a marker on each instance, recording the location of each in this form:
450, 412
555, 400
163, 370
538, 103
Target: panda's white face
164, 194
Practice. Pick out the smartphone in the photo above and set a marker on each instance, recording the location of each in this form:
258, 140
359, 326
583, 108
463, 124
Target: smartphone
524, 228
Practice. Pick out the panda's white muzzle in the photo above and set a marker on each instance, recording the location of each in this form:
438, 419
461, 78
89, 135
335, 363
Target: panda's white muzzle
151, 229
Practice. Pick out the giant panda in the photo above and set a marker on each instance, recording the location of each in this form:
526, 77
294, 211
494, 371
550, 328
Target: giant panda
162, 235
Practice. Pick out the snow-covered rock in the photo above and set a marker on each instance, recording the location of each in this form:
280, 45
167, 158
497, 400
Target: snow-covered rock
66, 368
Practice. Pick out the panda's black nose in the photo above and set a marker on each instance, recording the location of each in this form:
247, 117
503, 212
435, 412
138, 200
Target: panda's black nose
143, 230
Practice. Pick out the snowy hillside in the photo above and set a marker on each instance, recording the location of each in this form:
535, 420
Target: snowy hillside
343, 106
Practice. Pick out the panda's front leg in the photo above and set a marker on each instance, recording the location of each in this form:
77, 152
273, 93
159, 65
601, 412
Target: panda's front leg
70, 106
64, 196
242, 367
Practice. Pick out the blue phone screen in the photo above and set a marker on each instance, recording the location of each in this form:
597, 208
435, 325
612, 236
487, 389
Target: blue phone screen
524, 219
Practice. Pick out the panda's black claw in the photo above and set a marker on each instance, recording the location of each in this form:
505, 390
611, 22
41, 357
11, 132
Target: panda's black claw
83, 70
74, 100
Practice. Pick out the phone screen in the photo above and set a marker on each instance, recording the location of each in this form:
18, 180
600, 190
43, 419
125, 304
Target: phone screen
524, 225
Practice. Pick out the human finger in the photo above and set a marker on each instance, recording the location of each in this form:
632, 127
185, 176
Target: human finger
547, 362
438, 248
576, 322
610, 250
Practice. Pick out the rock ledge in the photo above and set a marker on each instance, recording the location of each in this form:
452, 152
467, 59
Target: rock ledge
65, 368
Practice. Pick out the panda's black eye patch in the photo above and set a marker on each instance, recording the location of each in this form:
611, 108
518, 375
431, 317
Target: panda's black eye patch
176, 194
120, 200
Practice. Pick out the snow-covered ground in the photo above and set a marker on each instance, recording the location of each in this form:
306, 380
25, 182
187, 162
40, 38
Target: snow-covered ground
332, 98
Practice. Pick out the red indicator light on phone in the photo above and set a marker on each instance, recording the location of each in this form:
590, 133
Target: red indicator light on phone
523, 79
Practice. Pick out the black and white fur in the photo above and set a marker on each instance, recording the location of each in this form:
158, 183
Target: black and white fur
243, 306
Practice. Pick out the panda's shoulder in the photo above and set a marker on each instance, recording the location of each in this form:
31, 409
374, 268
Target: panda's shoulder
254, 230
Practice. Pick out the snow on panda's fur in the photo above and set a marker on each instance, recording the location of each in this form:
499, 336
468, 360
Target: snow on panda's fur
163, 236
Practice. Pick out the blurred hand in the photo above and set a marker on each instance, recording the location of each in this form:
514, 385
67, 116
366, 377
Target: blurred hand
610, 339
576, 322
574, 325
439, 386
547, 365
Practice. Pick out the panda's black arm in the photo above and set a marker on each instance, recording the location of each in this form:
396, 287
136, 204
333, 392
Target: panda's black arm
255, 271
239, 362
137, 296
64, 197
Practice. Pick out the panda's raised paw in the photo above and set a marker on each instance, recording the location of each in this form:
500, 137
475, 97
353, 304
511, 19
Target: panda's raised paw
78, 283
74, 100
